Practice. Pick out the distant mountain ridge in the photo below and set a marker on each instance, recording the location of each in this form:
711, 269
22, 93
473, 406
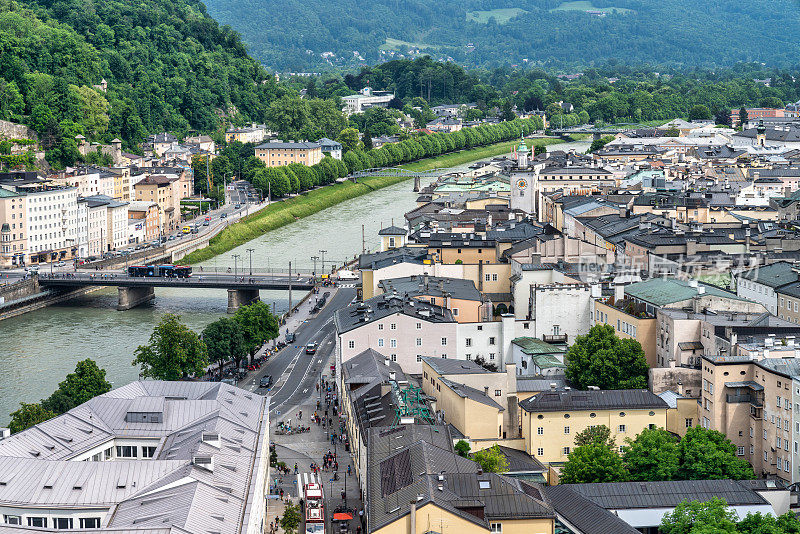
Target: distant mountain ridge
309, 35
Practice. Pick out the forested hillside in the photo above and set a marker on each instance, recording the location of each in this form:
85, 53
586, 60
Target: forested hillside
293, 34
168, 66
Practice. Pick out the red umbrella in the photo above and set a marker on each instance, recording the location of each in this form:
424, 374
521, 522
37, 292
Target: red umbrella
342, 516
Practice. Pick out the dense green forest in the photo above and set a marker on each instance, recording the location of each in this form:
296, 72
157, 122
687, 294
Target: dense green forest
613, 93
168, 66
552, 33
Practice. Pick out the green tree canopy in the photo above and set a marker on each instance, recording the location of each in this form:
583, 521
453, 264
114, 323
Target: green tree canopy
257, 324
595, 434
87, 382
491, 460
174, 351
602, 359
593, 462
462, 448
653, 455
708, 454
224, 341
694, 517
27, 416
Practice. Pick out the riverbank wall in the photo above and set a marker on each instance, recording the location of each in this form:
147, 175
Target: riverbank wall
26, 296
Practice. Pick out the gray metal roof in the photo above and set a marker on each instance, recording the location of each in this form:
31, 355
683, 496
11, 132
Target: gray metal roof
158, 495
604, 399
437, 286
382, 306
665, 494
583, 515
447, 366
467, 392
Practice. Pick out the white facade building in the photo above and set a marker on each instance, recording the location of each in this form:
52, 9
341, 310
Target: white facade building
52, 216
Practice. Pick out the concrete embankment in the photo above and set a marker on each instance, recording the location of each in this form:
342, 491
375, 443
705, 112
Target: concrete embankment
26, 295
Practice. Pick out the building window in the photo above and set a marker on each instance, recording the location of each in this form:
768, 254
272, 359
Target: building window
688, 422
380, 327
491, 355
495, 528
90, 522
380, 342
498, 393
12, 519
455, 312
540, 452
351, 344
468, 356
444, 341
419, 326
566, 430
419, 358
393, 357
419, 341
62, 523
39, 522
622, 428
468, 342
148, 452
540, 431
125, 451
393, 343
491, 341
566, 450
393, 326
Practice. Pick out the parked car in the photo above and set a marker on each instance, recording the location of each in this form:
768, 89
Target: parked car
223, 215
265, 382
311, 348
60, 264
237, 206
289, 337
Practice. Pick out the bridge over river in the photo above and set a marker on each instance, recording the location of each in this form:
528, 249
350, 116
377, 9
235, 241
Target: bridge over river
136, 290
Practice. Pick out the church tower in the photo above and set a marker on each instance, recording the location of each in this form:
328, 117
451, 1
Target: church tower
522, 154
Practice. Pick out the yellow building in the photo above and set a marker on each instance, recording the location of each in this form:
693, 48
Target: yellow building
682, 412
406, 495
277, 153
629, 322
550, 420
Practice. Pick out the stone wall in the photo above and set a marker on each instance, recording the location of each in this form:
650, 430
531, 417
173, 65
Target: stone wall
18, 290
16, 131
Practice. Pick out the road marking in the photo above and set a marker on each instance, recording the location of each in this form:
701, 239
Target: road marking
305, 390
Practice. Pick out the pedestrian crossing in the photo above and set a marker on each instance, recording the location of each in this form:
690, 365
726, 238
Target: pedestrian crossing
347, 285
306, 478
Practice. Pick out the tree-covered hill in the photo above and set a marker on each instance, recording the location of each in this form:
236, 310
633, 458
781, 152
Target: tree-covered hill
292, 35
168, 66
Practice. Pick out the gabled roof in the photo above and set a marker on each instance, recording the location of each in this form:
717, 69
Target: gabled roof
604, 399
393, 230
582, 514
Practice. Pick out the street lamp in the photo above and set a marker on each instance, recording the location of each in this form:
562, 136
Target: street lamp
235, 263
314, 259
323, 259
250, 252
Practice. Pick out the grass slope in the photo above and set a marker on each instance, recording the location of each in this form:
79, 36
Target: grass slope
286, 212
501, 15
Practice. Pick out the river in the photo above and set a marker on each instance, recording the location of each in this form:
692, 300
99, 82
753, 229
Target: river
38, 349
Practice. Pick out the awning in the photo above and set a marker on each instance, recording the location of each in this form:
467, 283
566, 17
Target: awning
342, 516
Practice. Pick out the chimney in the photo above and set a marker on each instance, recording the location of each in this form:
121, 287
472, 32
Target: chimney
619, 291
701, 290
386, 361
392, 376
486, 390
412, 523
680, 388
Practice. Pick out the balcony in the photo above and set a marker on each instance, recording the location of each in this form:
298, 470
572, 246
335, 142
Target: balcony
735, 399
555, 338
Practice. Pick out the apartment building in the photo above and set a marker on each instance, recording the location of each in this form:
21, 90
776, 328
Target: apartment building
629, 321
551, 419
402, 328
13, 242
146, 214
278, 153
762, 283
250, 134
166, 190
480, 404
755, 404
52, 221
367, 98
149, 457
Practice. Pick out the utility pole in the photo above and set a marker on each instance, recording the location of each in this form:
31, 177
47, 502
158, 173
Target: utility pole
363, 247
235, 263
323, 259
314, 259
290, 286
250, 252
